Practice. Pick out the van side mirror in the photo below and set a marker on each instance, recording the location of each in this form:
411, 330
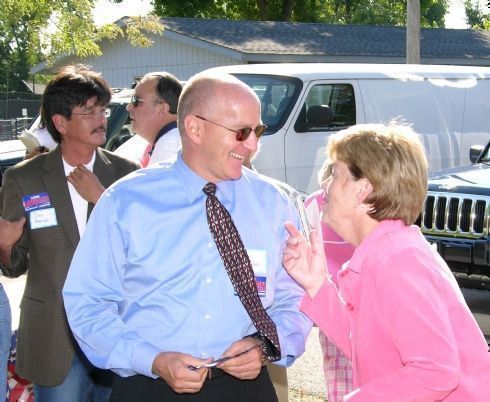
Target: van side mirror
319, 116
475, 152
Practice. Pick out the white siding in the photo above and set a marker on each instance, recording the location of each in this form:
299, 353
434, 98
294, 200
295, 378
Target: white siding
121, 62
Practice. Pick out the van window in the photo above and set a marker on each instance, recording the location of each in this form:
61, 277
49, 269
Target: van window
277, 96
327, 107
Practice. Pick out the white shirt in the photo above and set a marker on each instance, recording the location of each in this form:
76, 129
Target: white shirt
80, 205
132, 148
166, 147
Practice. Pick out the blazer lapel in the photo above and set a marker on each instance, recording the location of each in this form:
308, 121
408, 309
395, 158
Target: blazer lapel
57, 185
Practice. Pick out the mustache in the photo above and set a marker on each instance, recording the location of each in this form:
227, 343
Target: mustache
98, 128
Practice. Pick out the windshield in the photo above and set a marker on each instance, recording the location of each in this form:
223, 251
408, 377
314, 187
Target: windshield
277, 96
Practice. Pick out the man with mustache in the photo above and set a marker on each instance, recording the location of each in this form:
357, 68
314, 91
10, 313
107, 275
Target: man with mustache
45, 204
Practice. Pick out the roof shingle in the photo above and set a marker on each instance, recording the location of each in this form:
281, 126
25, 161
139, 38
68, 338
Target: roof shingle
272, 37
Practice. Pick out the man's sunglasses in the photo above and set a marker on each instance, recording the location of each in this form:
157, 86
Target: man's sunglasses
136, 100
242, 133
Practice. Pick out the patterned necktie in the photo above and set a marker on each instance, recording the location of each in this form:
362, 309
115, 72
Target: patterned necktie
239, 268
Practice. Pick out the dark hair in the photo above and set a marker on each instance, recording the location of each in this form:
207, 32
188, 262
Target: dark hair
168, 89
72, 86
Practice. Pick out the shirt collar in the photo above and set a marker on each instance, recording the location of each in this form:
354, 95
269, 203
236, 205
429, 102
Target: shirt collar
164, 130
69, 168
195, 183
369, 243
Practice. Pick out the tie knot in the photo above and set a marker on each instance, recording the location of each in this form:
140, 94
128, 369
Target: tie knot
209, 189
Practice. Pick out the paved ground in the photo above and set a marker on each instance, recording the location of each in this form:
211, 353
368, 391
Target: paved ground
306, 375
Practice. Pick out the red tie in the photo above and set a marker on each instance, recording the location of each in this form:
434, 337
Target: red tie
239, 269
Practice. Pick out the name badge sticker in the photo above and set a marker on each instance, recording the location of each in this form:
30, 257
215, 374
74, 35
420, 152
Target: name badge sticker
258, 258
32, 202
42, 218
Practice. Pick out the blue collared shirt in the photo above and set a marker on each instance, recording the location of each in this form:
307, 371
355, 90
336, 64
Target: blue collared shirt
147, 276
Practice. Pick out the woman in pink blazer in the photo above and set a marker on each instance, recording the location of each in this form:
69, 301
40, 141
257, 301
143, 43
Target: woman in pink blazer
397, 311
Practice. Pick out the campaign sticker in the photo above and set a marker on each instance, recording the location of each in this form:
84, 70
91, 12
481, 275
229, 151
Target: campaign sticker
261, 283
258, 258
36, 201
42, 218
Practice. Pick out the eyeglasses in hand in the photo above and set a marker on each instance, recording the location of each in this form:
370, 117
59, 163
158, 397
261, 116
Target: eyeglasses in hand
242, 133
224, 358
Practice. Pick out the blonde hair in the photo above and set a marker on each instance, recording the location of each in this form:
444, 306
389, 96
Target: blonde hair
393, 160
325, 171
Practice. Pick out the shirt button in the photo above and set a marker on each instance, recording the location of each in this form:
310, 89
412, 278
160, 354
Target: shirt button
349, 306
343, 273
208, 280
210, 244
207, 317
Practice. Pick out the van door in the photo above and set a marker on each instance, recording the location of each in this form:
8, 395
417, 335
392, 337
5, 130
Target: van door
432, 107
325, 107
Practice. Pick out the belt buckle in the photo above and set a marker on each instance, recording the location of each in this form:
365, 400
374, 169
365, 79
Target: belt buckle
215, 372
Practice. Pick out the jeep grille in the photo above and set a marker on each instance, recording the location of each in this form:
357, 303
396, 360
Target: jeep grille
458, 215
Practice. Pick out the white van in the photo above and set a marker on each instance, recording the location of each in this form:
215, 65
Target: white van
302, 104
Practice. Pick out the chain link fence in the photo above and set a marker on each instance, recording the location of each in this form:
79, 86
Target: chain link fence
13, 105
11, 128
16, 112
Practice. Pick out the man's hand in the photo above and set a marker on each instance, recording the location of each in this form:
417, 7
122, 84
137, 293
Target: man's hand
10, 233
174, 369
246, 366
86, 183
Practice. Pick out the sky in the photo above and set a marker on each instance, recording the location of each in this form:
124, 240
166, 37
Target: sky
106, 11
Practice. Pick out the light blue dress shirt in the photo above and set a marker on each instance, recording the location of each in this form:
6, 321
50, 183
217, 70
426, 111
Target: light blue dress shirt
147, 276
5, 339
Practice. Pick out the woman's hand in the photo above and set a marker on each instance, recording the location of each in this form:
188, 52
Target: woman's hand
306, 264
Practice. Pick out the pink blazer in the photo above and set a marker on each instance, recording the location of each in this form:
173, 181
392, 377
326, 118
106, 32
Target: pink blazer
400, 315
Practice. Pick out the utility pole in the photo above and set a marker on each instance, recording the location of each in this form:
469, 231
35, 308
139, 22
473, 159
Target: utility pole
413, 32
